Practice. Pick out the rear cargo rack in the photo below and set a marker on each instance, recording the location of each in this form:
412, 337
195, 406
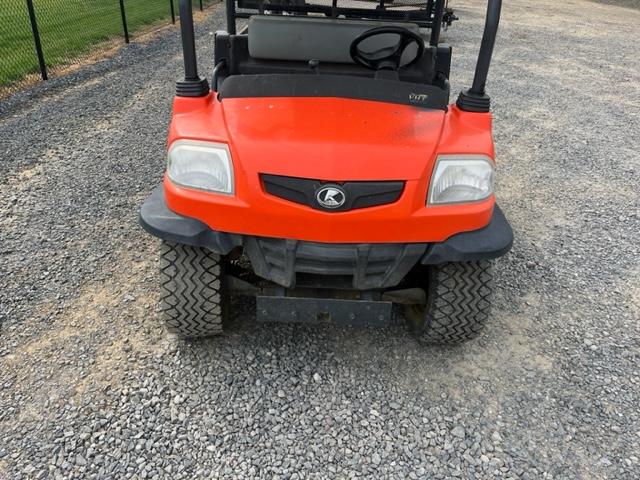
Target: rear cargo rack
427, 14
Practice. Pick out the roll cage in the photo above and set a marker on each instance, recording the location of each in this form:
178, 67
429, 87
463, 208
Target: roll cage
422, 13
426, 15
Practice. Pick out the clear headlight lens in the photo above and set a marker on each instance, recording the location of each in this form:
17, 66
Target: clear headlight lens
461, 179
201, 165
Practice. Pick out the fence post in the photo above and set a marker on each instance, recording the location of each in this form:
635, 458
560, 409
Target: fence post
200, 5
173, 12
124, 22
36, 40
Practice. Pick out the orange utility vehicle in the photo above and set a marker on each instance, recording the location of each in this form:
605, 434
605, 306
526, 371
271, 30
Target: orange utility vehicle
324, 171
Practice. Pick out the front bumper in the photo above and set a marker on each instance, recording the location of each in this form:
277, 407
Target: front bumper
361, 266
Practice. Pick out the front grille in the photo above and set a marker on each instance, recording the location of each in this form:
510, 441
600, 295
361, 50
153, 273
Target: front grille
356, 194
360, 266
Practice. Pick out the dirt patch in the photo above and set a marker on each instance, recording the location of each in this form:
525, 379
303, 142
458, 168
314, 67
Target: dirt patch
112, 321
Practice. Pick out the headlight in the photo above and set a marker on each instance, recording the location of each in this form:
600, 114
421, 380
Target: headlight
201, 165
461, 179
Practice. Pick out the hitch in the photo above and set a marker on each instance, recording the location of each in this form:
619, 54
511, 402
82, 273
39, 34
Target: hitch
363, 309
360, 313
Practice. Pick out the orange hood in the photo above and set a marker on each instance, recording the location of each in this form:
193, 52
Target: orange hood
331, 138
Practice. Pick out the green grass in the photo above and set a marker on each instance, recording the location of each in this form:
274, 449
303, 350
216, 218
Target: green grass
68, 29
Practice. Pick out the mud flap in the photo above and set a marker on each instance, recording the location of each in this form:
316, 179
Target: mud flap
362, 313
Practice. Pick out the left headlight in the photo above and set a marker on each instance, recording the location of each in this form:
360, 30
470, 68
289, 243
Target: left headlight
201, 165
461, 179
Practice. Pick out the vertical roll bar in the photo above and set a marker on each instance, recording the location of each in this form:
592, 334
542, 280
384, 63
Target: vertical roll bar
188, 40
231, 16
475, 99
486, 47
437, 22
192, 85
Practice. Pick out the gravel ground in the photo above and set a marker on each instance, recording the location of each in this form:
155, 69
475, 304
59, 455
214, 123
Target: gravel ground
92, 387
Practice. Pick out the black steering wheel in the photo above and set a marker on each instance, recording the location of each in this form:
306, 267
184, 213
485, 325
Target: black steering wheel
386, 58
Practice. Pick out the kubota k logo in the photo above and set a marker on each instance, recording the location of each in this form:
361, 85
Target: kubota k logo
331, 197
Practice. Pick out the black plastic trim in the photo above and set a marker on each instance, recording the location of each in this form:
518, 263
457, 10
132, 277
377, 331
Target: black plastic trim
159, 221
360, 194
364, 266
443, 60
192, 87
489, 242
473, 102
341, 86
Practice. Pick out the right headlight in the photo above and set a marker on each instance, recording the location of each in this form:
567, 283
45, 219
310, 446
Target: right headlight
461, 179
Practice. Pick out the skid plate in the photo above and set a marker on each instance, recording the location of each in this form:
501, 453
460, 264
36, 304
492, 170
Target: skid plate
362, 313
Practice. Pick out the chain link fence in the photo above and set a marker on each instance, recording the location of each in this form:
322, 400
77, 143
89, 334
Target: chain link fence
37, 37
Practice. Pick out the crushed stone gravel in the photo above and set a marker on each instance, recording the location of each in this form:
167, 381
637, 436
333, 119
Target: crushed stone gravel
91, 386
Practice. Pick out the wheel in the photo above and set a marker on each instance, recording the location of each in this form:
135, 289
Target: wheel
191, 283
458, 303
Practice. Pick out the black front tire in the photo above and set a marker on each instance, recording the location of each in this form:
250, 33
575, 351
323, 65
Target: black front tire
191, 284
458, 305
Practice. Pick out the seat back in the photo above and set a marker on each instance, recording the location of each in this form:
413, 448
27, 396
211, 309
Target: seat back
276, 37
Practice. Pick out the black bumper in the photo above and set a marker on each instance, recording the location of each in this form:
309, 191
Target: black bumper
492, 241
159, 221
359, 266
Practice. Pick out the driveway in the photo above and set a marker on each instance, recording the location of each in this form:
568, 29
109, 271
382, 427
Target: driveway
91, 386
